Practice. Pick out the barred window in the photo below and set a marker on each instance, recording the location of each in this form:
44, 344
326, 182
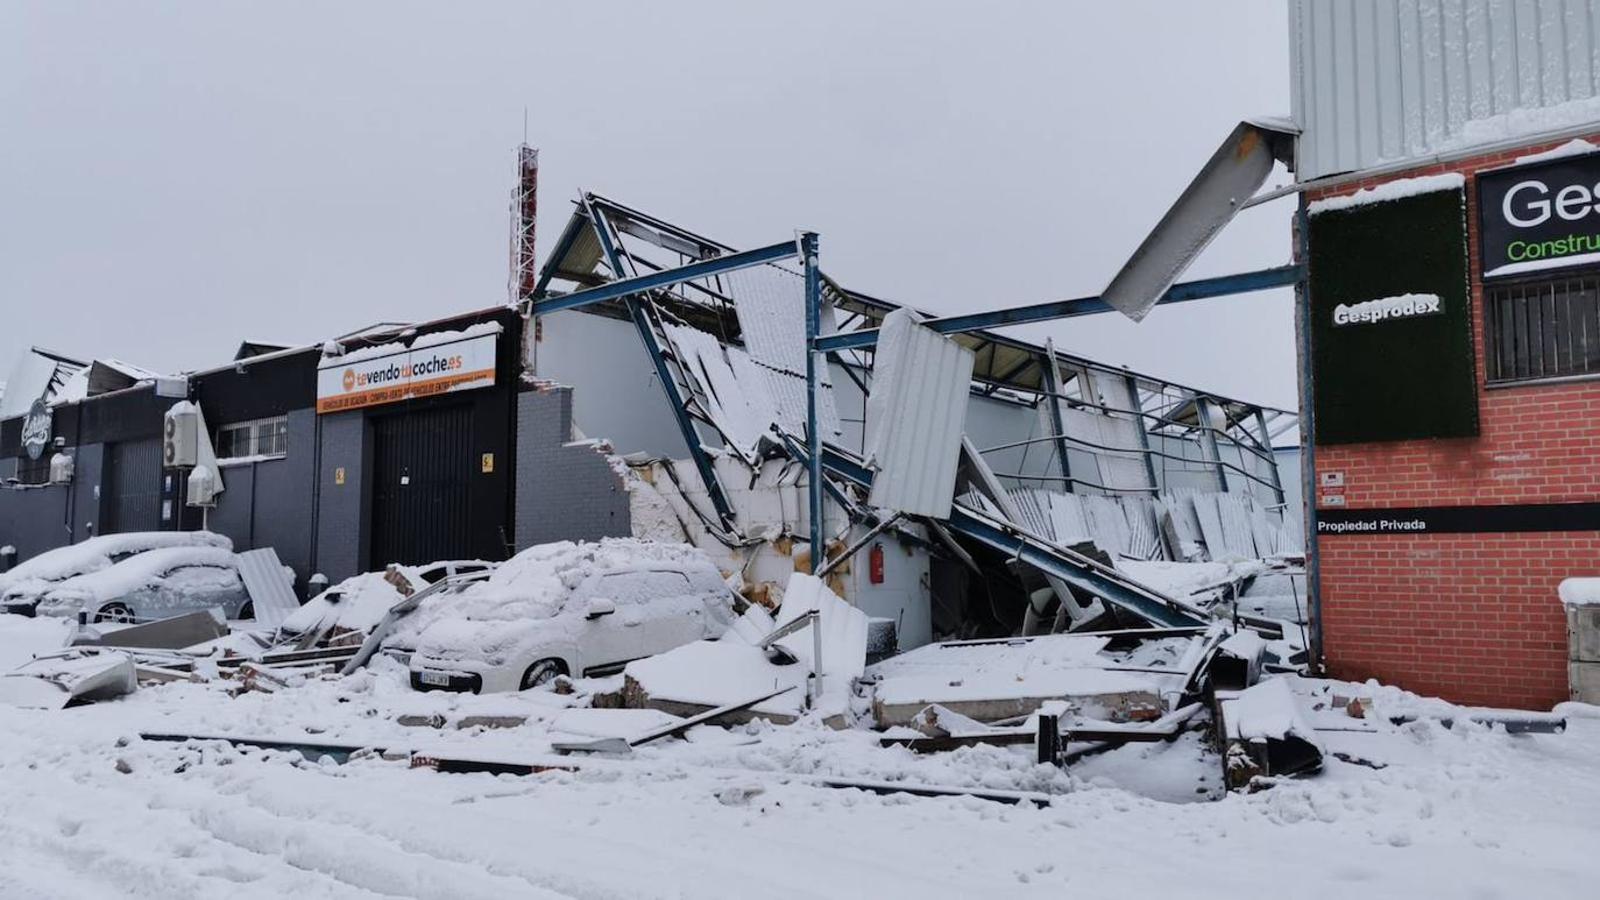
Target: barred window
258, 437
1542, 329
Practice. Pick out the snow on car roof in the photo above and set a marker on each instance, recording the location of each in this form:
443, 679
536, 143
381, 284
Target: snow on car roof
362, 602
94, 554
531, 584
549, 568
139, 571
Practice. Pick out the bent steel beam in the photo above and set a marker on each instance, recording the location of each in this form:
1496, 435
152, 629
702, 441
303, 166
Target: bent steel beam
1074, 568
1243, 283
639, 284
669, 383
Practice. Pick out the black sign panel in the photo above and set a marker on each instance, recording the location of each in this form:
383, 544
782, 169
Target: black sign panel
1540, 216
1460, 519
1391, 321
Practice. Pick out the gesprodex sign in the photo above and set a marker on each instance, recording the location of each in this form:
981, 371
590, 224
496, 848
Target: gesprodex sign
404, 374
1540, 216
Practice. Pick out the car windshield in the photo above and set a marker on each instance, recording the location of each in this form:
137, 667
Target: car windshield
490, 605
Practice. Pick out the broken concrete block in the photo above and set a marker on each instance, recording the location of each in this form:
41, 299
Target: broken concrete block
900, 701
937, 721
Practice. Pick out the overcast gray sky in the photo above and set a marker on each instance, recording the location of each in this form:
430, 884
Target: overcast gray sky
174, 179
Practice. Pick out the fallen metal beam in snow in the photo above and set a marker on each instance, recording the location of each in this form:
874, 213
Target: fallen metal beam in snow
615, 745
311, 750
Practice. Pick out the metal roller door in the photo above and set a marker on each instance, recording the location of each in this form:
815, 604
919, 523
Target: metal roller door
133, 494
421, 507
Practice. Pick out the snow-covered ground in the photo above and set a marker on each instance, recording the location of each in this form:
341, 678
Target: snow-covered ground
87, 809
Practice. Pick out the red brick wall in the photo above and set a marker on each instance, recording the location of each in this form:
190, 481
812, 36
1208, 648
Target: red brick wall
1473, 617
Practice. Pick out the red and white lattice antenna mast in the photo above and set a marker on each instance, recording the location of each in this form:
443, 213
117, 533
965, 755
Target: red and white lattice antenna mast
524, 213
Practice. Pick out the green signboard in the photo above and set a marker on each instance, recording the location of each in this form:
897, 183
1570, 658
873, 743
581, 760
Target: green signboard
1391, 320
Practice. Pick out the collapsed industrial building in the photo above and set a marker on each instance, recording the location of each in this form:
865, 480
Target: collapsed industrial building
1071, 480
1131, 542
1083, 493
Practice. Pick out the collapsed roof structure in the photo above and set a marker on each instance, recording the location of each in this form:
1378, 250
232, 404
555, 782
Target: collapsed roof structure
1045, 478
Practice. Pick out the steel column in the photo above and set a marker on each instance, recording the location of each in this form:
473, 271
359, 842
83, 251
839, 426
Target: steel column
808, 254
1052, 384
669, 383
1208, 439
1144, 435
1266, 444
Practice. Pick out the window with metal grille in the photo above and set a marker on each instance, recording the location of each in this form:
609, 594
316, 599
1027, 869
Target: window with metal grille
1542, 329
258, 437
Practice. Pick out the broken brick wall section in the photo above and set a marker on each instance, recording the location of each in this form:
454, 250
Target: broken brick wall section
566, 490
1473, 618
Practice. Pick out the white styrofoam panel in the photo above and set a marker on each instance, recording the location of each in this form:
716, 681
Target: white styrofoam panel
742, 396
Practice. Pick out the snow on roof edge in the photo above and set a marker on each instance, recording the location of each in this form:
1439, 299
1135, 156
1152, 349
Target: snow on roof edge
1398, 189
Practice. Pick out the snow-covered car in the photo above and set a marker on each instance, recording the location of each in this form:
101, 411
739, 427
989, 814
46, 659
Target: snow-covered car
22, 587
564, 608
156, 584
359, 602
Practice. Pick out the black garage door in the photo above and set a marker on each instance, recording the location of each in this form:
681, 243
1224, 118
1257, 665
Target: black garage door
421, 508
133, 501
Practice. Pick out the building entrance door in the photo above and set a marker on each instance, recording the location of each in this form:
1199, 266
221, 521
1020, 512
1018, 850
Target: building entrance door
421, 505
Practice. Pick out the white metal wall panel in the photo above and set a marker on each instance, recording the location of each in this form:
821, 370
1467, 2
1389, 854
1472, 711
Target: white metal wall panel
270, 585
916, 415
1384, 81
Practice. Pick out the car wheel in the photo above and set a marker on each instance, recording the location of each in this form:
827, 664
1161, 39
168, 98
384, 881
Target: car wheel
115, 612
542, 673
247, 611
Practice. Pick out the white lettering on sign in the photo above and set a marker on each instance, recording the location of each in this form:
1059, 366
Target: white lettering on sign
1404, 306
406, 373
1528, 204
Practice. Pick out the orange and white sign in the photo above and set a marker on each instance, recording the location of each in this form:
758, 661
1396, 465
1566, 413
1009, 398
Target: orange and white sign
406, 373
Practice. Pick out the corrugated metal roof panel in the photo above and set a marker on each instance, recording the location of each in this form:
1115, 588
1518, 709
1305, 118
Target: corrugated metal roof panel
1382, 81
269, 584
916, 415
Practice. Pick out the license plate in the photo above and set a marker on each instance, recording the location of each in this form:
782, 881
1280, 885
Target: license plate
438, 679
